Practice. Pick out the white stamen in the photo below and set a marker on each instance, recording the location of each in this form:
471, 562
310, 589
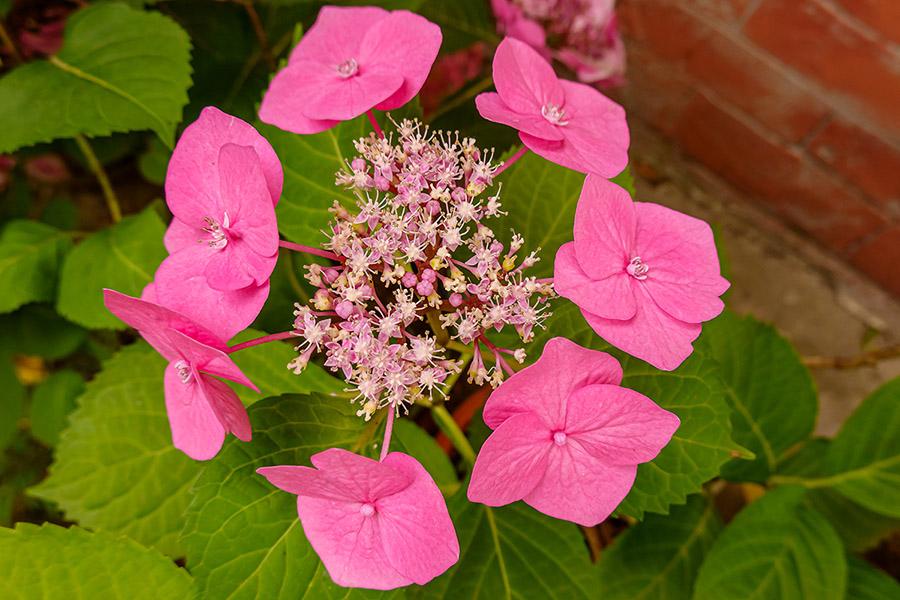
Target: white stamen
637, 269
367, 510
348, 68
554, 114
184, 371
559, 438
217, 236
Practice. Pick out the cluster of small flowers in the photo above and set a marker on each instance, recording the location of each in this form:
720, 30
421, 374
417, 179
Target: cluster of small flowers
421, 205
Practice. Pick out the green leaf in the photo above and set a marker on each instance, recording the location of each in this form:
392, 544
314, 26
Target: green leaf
865, 582
11, 400
413, 440
625, 180
122, 257
540, 197
702, 443
514, 552
51, 402
154, 161
115, 467
37, 330
775, 548
660, 557
30, 255
462, 22
863, 461
770, 391
242, 535
266, 366
111, 75
50, 562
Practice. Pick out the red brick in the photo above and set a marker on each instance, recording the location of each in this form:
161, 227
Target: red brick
661, 26
882, 15
864, 159
784, 178
655, 90
753, 82
814, 38
727, 11
880, 257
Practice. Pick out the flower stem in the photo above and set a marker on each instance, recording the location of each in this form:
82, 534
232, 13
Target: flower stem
10, 46
866, 359
309, 250
112, 203
260, 32
456, 436
511, 160
261, 340
374, 123
388, 430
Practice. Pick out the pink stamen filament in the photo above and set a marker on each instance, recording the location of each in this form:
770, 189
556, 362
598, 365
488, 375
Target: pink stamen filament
388, 430
374, 123
261, 340
511, 160
498, 357
309, 250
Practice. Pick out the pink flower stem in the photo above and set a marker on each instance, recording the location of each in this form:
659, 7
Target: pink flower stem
388, 430
512, 159
261, 340
309, 250
544, 280
374, 123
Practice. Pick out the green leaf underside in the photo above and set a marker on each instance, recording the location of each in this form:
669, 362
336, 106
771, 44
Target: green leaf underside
659, 558
115, 468
775, 548
30, 255
514, 552
865, 582
770, 391
122, 257
110, 76
242, 535
54, 563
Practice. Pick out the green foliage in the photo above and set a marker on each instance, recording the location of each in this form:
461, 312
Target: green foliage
242, 535
660, 557
54, 563
11, 400
109, 76
514, 552
411, 439
770, 391
51, 402
154, 161
462, 22
775, 548
865, 582
30, 255
122, 257
36, 330
115, 467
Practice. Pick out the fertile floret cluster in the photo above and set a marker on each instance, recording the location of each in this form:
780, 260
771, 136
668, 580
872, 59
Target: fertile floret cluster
417, 270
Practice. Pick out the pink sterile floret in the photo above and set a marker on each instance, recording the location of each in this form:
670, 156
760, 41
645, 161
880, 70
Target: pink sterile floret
644, 276
569, 123
377, 525
567, 438
350, 61
201, 408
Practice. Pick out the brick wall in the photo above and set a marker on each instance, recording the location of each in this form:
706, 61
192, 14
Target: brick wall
794, 101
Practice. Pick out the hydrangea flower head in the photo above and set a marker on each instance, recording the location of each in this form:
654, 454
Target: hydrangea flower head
568, 123
350, 61
567, 438
418, 255
644, 276
201, 408
377, 525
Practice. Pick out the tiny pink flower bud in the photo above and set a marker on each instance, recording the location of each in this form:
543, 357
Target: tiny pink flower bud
382, 184
425, 288
455, 299
358, 164
344, 309
433, 207
459, 194
429, 275
409, 280
331, 275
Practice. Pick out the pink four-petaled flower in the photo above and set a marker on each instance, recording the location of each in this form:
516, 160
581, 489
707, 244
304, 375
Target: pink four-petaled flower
644, 276
568, 123
567, 438
201, 408
377, 525
350, 61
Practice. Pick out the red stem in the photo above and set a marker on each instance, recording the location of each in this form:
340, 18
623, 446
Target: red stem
388, 430
511, 160
309, 250
261, 340
374, 123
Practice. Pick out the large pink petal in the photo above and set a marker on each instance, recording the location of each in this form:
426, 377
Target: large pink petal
236, 267
407, 43
337, 34
612, 297
491, 107
325, 95
604, 228
181, 235
361, 478
196, 430
282, 106
349, 544
651, 335
542, 388
579, 488
596, 131
416, 531
680, 252
617, 425
303, 481
192, 179
524, 79
511, 462
245, 199
153, 322
228, 407
181, 286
